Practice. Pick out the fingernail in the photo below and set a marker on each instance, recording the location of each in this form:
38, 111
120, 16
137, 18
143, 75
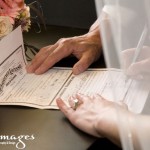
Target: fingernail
96, 95
29, 68
58, 99
71, 98
77, 70
80, 93
38, 71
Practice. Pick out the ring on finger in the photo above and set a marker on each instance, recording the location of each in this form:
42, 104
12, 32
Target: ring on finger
76, 104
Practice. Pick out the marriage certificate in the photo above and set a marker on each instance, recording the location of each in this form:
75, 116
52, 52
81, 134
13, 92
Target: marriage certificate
17, 87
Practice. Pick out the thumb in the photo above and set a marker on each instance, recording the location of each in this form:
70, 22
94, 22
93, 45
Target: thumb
82, 65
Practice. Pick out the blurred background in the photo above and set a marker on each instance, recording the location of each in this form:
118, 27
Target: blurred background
69, 13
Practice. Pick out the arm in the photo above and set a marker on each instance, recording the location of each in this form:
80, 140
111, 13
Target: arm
140, 128
138, 125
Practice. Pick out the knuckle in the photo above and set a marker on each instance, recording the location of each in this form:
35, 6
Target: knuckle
61, 40
43, 49
64, 41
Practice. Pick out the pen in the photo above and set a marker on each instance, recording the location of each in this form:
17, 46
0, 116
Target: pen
139, 46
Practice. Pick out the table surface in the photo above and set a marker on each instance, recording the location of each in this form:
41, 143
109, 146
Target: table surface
50, 128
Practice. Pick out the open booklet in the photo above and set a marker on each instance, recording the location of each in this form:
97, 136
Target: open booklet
17, 87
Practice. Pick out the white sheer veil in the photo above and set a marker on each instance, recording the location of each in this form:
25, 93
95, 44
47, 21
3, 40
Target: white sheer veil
125, 33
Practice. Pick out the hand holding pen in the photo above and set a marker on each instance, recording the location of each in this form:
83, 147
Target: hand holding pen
137, 60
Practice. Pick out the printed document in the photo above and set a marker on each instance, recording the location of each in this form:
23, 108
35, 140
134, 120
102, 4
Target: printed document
17, 87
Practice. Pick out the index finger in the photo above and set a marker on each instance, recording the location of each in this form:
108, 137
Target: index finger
64, 108
59, 53
40, 58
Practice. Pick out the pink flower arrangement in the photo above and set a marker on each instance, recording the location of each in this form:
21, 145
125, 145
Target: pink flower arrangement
17, 12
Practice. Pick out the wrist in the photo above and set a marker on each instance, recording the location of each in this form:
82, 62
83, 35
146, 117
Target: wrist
108, 125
